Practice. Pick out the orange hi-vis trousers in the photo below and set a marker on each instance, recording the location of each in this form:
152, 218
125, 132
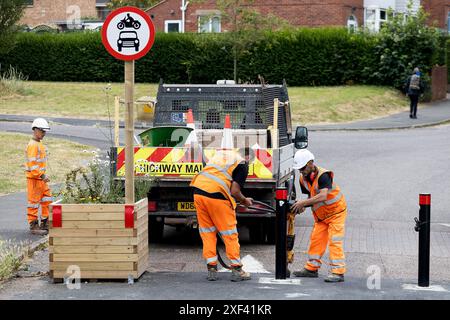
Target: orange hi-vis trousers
214, 216
328, 232
38, 195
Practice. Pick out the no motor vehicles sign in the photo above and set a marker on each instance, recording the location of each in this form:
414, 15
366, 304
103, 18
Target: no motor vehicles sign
128, 33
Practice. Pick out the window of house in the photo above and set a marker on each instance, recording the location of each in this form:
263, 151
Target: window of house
383, 18
352, 24
29, 2
448, 22
172, 26
209, 24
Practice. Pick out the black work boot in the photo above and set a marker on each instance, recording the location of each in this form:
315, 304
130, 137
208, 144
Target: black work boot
44, 224
212, 272
237, 274
34, 229
333, 277
305, 273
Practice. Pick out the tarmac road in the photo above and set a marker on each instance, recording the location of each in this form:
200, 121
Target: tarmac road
381, 174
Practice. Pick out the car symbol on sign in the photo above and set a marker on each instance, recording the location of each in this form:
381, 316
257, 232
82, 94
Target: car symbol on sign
128, 39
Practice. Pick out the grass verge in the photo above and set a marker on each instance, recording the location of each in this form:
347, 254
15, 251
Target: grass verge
63, 156
309, 104
10, 257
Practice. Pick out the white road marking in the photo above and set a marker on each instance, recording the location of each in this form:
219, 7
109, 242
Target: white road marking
279, 281
296, 295
417, 288
266, 287
445, 224
250, 264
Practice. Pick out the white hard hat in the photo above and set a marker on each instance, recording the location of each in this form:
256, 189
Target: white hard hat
40, 123
301, 158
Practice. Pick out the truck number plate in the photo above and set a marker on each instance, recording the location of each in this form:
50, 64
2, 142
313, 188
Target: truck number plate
186, 206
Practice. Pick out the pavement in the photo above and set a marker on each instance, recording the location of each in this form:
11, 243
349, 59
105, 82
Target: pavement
387, 249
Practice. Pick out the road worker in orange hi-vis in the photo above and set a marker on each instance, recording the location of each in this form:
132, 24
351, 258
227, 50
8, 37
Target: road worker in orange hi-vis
216, 189
39, 194
329, 209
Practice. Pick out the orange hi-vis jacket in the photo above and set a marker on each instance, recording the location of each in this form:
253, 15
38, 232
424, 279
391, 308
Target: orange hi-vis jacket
335, 202
36, 160
216, 176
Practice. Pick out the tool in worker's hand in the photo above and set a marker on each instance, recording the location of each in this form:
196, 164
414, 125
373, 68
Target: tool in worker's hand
257, 207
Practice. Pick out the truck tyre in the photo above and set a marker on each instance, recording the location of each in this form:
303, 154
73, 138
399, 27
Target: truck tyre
155, 229
256, 233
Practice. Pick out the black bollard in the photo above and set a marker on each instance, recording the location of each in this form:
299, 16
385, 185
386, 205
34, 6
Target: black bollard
281, 234
423, 227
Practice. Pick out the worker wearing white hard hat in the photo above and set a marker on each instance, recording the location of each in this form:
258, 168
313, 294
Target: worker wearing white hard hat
329, 209
39, 194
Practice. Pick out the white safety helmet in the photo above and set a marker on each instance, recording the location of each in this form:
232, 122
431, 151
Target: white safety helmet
40, 123
301, 158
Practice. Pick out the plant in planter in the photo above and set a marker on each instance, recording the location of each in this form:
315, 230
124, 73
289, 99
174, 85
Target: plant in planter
94, 230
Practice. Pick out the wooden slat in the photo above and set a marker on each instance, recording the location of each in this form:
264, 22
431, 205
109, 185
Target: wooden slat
93, 224
91, 233
93, 266
99, 274
141, 204
142, 247
93, 249
92, 208
142, 265
107, 241
93, 216
74, 257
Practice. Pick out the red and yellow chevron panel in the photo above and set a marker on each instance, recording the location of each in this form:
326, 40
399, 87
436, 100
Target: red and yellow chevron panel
185, 162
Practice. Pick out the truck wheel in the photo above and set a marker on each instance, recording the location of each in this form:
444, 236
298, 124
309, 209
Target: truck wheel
155, 229
269, 230
256, 232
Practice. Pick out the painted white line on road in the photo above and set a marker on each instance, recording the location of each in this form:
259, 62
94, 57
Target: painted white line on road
296, 295
417, 288
266, 287
296, 282
250, 264
445, 224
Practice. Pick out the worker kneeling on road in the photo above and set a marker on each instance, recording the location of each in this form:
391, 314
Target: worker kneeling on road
37, 187
329, 209
215, 189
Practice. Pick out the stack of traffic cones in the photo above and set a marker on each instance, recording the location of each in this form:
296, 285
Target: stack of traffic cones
227, 137
192, 138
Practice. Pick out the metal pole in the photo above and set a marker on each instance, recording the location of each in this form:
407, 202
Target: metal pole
423, 227
281, 237
129, 132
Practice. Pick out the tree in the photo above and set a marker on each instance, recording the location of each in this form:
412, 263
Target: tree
143, 4
405, 42
10, 13
247, 25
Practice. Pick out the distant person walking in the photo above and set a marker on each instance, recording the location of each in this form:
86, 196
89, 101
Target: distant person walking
414, 88
39, 194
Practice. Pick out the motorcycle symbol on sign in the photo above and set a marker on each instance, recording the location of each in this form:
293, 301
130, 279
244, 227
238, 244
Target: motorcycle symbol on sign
128, 22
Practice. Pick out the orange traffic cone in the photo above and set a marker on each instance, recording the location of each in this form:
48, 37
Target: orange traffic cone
227, 137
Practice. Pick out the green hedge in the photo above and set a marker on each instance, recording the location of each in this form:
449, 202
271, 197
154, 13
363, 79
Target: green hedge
303, 57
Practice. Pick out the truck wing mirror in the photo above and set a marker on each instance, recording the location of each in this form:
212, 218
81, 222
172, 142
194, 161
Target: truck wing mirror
301, 138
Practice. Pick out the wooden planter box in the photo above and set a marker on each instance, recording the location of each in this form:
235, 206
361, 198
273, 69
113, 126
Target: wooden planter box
106, 241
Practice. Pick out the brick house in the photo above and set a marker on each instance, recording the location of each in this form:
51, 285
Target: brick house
57, 12
439, 11
204, 17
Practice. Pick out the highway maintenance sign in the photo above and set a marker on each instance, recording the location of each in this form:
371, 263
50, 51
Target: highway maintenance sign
128, 33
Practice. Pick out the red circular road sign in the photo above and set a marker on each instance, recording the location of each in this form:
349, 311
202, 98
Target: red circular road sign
128, 33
